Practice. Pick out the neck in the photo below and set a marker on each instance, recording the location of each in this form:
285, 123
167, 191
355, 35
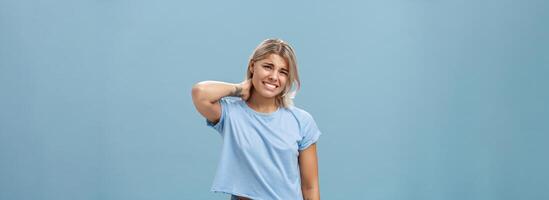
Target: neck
261, 104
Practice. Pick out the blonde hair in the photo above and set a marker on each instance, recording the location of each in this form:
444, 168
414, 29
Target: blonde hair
284, 50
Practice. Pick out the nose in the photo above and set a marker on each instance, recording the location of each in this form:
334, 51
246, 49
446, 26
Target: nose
273, 76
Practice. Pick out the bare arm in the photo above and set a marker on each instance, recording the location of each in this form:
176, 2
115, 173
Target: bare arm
206, 95
308, 166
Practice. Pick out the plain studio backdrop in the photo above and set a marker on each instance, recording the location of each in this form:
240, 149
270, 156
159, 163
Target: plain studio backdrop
420, 99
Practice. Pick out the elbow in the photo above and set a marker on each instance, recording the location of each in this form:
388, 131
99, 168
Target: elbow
198, 93
311, 193
197, 90
310, 187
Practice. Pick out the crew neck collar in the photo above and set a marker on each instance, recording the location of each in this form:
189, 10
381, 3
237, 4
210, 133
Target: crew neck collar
269, 114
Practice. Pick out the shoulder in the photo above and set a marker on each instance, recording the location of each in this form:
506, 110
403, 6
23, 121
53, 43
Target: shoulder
300, 114
230, 100
229, 104
307, 125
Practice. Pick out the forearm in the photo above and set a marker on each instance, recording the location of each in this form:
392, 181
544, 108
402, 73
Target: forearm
212, 91
311, 193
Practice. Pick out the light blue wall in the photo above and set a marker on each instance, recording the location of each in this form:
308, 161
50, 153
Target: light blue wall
422, 99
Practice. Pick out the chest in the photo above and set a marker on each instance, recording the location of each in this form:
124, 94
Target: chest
279, 134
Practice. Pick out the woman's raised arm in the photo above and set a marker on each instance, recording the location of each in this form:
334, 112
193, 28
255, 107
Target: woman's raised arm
206, 95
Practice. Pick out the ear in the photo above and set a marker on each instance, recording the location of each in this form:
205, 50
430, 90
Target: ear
252, 68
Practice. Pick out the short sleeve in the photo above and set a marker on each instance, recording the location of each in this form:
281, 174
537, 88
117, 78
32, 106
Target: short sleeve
224, 111
309, 131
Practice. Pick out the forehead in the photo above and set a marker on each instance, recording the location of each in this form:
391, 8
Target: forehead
276, 60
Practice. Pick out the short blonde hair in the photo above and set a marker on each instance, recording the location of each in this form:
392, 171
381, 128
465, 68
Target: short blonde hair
284, 50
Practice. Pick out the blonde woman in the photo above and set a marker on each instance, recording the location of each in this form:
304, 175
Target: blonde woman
269, 145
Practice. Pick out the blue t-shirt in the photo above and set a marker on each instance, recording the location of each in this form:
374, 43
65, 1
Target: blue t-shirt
259, 156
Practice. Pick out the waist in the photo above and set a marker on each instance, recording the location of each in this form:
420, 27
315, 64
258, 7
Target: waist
234, 197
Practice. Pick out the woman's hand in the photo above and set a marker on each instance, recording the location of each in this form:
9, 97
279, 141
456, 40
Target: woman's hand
243, 89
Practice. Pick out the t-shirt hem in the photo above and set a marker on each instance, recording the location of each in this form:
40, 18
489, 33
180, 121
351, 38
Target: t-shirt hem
232, 192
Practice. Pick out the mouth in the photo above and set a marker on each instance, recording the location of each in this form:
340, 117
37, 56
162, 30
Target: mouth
270, 86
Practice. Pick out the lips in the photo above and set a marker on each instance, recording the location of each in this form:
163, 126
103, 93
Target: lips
270, 86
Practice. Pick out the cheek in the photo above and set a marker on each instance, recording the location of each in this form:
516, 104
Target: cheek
255, 82
258, 74
283, 81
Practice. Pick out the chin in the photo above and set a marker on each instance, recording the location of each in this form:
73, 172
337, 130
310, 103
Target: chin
268, 94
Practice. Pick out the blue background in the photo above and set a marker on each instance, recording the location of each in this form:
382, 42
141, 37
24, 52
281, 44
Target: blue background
420, 99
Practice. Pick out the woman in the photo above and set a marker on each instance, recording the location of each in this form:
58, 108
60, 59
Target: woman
269, 145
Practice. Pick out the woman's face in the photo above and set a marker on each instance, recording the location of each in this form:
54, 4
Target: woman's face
269, 76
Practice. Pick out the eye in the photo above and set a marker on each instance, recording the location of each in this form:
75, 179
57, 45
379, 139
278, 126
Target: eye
284, 73
267, 66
